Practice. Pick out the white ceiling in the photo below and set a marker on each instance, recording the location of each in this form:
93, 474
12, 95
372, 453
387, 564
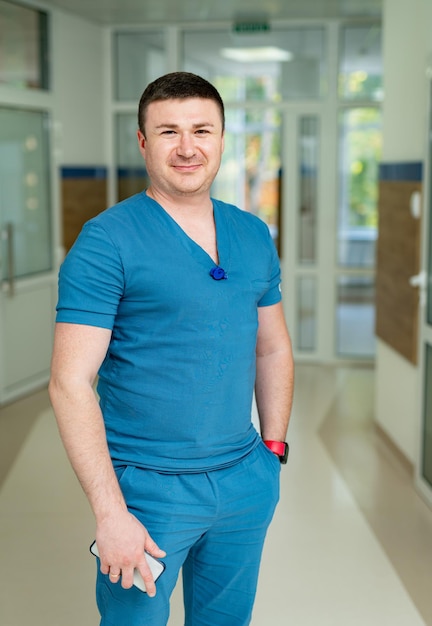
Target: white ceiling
179, 11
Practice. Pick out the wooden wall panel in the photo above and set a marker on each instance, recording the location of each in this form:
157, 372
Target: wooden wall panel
128, 186
82, 199
398, 258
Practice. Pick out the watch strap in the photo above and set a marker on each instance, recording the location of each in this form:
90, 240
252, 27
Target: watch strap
280, 448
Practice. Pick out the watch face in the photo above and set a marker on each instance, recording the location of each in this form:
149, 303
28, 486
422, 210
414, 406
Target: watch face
284, 457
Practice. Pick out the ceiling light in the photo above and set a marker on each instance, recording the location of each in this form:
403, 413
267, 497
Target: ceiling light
256, 55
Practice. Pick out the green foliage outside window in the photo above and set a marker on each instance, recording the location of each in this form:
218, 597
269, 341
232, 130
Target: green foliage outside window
363, 145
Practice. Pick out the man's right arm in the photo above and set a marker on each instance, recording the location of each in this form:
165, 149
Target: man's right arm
78, 353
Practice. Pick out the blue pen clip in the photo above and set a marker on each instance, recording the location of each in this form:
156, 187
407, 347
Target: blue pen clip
218, 273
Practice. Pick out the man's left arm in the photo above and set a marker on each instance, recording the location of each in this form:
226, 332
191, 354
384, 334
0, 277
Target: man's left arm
274, 373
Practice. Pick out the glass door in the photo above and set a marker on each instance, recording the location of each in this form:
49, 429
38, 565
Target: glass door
24, 194
26, 251
271, 167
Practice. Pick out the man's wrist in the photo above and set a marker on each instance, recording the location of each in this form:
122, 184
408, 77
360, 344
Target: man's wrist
280, 448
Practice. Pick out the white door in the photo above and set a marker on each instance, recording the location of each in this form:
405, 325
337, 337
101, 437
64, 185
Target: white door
27, 294
278, 164
304, 258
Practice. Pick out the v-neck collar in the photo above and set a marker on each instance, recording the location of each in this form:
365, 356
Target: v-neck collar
223, 243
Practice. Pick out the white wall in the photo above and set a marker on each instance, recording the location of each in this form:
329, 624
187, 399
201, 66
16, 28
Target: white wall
405, 59
78, 85
406, 29
396, 399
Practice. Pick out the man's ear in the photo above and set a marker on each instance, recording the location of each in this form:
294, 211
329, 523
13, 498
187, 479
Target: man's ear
141, 142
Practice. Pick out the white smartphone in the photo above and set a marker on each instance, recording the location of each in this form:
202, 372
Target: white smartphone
157, 567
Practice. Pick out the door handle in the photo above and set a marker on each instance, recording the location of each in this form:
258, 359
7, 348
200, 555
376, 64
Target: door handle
8, 236
420, 280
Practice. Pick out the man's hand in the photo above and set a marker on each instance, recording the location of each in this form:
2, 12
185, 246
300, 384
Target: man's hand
122, 541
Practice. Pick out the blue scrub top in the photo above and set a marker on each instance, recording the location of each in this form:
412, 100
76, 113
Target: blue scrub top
176, 385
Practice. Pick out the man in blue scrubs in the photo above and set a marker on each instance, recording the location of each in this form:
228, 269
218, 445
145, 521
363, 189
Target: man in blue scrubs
172, 299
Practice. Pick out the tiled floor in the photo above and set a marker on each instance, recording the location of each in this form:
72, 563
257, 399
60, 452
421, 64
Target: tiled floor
351, 542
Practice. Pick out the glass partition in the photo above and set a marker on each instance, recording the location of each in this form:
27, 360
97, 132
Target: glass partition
359, 154
131, 171
264, 77
306, 313
355, 316
277, 64
140, 57
250, 174
308, 188
23, 46
360, 63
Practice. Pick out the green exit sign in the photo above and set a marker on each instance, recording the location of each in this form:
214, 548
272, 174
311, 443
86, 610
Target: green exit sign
251, 27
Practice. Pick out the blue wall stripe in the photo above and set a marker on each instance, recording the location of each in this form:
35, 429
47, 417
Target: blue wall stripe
101, 172
83, 172
408, 171
132, 172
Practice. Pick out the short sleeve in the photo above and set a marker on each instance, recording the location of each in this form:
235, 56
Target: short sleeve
91, 280
273, 294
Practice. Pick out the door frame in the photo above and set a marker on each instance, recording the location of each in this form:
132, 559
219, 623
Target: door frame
45, 282
425, 329
323, 269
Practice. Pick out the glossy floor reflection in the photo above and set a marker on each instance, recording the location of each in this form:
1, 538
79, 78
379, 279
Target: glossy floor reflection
351, 542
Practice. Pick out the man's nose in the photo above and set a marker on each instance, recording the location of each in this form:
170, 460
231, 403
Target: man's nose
186, 146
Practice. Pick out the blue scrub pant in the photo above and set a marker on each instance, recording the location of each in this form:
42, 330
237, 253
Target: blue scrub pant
212, 525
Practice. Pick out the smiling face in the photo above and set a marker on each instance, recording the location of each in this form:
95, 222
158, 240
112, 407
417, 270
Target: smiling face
182, 146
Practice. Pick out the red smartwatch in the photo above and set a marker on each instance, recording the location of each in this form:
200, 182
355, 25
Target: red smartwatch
280, 448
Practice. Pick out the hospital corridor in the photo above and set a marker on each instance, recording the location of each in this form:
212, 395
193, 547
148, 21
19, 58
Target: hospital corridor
350, 544
326, 137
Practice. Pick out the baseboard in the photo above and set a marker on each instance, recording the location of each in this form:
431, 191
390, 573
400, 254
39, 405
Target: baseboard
395, 450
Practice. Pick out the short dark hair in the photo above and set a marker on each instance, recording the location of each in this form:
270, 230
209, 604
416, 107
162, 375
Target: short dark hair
178, 85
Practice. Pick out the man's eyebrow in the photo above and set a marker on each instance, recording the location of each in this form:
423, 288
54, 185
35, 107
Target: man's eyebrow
175, 126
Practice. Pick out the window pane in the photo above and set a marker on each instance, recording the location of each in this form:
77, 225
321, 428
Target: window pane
360, 153
288, 64
355, 329
131, 172
25, 203
306, 313
308, 176
360, 69
23, 47
249, 176
139, 59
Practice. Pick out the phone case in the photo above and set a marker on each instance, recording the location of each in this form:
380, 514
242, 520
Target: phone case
157, 567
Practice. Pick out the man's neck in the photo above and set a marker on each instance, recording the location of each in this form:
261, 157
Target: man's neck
195, 218
193, 206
